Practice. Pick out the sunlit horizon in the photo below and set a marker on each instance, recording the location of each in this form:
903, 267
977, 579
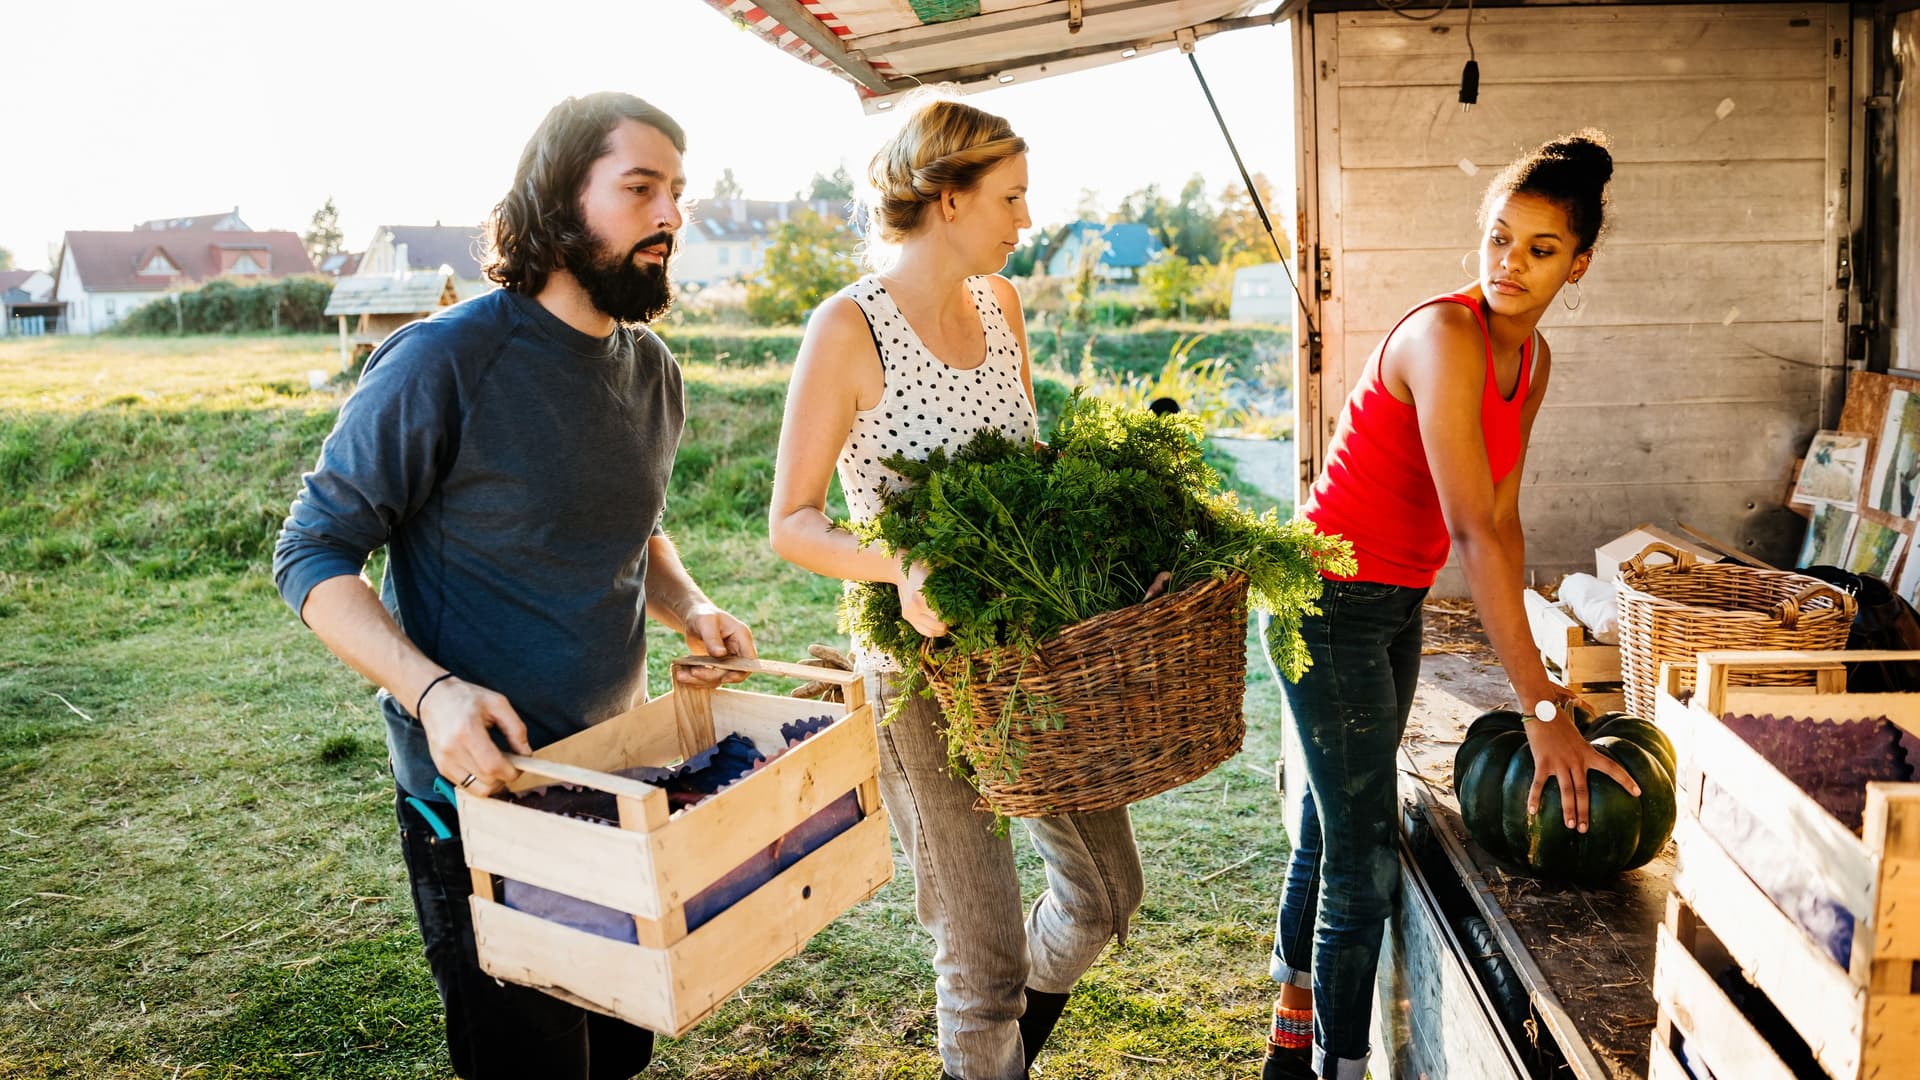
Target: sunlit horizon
406, 117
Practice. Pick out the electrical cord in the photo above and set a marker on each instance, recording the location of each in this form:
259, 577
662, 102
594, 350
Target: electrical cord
1396, 7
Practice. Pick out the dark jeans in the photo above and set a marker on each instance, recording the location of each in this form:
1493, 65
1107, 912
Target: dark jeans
1350, 710
497, 1029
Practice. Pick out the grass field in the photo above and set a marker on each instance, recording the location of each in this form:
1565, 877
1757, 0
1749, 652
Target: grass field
198, 868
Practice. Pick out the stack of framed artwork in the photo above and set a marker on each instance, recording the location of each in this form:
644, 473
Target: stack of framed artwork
1860, 485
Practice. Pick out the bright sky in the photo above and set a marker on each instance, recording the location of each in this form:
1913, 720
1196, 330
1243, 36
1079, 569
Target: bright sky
407, 112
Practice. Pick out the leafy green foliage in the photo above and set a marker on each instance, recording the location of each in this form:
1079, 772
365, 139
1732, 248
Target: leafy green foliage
227, 306
808, 259
1199, 386
1023, 541
1170, 281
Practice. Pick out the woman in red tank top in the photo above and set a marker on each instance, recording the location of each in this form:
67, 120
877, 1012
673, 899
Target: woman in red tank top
1427, 459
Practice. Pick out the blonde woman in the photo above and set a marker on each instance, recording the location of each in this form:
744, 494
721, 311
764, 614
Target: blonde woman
922, 354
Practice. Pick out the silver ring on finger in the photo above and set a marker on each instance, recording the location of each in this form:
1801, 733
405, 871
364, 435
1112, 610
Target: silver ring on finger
468, 782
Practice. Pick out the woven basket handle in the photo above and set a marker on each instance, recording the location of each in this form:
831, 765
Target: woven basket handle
1682, 559
1789, 610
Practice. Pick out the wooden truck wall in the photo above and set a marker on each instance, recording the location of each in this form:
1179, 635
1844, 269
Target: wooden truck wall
1708, 345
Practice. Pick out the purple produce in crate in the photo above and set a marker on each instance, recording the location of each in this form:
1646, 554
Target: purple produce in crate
1831, 760
687, 784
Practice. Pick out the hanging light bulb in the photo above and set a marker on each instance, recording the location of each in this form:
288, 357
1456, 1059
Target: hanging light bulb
1469, 75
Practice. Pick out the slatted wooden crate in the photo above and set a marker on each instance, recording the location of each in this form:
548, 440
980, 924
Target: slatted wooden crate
656, 861
1574, 658
1859, 1017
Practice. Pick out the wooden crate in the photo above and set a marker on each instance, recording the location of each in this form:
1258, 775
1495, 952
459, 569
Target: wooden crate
1861, 1018
1574, 659
656, 861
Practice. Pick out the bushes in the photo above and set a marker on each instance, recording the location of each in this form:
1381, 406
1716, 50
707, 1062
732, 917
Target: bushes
1143, 349
230, 306
731, 347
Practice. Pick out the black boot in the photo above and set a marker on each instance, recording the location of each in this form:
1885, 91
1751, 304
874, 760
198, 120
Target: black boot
1043, 1012
1285, 1064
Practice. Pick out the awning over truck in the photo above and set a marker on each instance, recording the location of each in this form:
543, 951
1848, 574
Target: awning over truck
887, 47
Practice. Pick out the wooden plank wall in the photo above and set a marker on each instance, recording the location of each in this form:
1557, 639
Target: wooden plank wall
1906, 349
1705, 352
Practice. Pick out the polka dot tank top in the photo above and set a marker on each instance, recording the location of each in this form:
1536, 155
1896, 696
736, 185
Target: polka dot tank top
926, 402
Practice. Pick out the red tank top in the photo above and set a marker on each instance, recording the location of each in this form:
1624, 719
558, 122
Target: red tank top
1376, 489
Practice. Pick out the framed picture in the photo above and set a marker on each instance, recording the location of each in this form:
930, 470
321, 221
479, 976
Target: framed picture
1829, 535
1909, 584
1895, 485
1875, 549
1835, 470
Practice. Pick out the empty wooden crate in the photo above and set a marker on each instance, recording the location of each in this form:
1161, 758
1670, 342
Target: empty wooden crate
1573, 657
656, 860
1818, 921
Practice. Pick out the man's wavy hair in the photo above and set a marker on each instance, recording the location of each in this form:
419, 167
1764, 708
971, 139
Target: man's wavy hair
537, 228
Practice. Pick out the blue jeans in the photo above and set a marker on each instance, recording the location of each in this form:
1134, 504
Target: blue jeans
496, 1030
1350, 710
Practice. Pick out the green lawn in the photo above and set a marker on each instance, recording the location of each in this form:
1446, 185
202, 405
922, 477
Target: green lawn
198, 872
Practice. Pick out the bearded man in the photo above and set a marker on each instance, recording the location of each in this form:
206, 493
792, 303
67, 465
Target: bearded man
512, 455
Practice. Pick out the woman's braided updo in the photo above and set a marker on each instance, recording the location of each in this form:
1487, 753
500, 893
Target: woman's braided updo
942, 145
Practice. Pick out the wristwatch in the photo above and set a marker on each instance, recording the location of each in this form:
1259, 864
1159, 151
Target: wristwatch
1544, 711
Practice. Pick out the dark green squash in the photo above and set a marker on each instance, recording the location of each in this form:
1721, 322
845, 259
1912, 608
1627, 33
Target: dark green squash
1494, 769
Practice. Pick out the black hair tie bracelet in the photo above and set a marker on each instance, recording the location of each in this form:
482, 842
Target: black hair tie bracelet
445, 675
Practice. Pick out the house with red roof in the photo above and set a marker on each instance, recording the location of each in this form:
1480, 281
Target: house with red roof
104, 275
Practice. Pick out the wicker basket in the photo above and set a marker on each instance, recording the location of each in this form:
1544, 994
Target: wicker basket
1149, 697
1673, 610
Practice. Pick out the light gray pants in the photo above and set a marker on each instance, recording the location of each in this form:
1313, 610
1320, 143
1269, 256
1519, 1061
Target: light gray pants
967, 894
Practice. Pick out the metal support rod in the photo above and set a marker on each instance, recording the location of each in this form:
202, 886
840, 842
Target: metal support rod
790, 14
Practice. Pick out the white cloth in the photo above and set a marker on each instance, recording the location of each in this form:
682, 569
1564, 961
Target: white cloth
1595, 604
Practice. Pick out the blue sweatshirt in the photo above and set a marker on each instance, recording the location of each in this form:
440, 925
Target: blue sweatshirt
514, 469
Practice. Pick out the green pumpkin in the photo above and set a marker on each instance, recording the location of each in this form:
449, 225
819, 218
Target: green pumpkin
1494, 770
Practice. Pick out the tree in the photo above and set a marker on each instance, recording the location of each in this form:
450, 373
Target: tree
6, 259
836, 189
808, 257
1085, 277
1169, 281
1192, 229
727, 187
1088, 206
1186, 226
1145, 207
324, 237
1240, 228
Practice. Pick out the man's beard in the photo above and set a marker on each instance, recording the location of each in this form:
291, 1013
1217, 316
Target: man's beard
625, 290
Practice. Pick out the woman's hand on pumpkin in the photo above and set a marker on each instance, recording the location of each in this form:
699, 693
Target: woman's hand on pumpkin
1562, 754
913, 603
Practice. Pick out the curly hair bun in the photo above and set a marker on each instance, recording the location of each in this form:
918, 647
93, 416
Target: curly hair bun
1586, 152
1572, 171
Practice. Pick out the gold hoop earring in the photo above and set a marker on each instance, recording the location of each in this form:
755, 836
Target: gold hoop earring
1577, 298
1466, 266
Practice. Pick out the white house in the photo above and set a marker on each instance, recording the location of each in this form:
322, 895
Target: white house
26, 303
725, 239
226, 221
1262, 294
104, 275
402, 249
